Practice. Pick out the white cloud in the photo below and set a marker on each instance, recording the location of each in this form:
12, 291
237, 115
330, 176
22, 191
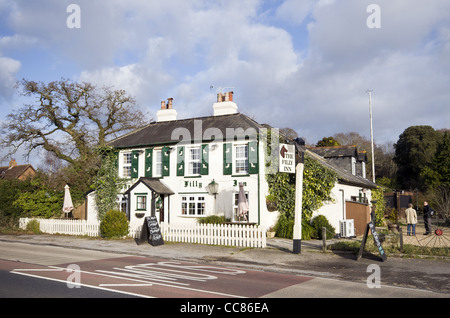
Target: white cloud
9, 67
160, 49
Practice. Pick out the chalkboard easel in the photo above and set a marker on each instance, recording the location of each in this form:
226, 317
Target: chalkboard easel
150, 232
376, 240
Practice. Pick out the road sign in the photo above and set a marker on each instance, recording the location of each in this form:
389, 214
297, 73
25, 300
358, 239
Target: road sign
287, 158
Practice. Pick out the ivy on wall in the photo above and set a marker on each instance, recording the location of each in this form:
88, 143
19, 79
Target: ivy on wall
318, 181
107, 183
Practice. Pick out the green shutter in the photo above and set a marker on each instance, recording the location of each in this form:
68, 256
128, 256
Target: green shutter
135, 164
204, 170
116, 160
180, 161
253, 157
227, 159
165, 154
149, 162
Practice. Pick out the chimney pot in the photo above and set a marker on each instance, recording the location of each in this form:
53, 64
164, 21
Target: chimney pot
169, 101
163, 105
12, 163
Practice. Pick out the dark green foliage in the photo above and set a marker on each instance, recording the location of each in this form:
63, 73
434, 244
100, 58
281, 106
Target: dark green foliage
39, 200
327, 142
107, 183
317, 185
114, 225
34, 226
415, 150
212, 219
318, 223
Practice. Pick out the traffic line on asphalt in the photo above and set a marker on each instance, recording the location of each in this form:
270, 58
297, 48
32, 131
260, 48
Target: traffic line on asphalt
115, 275
79, 284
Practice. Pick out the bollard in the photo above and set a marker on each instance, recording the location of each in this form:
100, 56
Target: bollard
324, 239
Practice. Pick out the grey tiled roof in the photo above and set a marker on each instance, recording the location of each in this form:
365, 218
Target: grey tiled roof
168, 132
343, 176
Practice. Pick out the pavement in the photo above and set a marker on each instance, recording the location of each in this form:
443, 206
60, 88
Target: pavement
432, 275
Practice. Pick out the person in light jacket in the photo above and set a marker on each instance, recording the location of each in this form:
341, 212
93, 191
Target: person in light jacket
411, 220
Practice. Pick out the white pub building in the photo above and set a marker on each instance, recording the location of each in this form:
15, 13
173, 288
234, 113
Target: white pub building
182, 170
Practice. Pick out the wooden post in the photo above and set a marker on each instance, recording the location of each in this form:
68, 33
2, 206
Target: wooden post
400, 233
324, 239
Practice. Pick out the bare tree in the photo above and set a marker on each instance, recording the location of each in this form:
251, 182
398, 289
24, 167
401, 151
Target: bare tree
69, 119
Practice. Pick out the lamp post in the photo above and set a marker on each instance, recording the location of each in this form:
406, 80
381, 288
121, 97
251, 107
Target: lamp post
213, 189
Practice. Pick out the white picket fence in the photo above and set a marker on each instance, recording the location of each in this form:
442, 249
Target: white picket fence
216, 234
240, 235
62, 226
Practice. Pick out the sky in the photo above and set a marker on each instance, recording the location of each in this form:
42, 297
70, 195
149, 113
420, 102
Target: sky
302, 64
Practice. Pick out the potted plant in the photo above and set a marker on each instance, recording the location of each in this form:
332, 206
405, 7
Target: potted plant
270, 232
393, 221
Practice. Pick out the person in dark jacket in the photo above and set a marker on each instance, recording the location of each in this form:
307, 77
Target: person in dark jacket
427, 213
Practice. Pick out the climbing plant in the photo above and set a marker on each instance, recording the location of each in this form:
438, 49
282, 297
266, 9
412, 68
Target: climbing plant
107, 183
318, 181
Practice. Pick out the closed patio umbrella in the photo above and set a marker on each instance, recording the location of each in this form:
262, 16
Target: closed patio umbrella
68, 205
242, 203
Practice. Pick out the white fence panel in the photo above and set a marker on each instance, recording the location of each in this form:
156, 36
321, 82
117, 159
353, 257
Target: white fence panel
240, 235
215, 234
61, 226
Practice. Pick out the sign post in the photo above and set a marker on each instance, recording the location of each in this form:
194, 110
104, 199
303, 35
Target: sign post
297, 243
286, 161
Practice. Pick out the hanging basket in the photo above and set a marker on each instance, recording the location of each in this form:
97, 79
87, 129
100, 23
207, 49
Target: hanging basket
271, 205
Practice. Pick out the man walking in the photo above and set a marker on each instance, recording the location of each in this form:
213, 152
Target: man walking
427, 213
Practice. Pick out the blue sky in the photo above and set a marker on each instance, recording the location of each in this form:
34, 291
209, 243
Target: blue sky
303, 64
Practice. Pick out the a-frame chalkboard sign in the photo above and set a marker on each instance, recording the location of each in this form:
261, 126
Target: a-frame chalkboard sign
376, 239
150, 232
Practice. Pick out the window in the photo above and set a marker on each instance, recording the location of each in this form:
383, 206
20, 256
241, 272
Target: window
241, 159
192, 205
236, 216
141, 202
158, 163
194, 161
126, 165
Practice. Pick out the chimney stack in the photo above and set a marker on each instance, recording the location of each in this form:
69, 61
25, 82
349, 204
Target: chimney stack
225, 104
166, 113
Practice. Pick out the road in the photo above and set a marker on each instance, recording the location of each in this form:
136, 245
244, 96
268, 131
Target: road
28, 270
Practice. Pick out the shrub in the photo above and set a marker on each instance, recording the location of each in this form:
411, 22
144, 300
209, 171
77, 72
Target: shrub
212, 219
318, 223
34, 226
114, 225
285, 228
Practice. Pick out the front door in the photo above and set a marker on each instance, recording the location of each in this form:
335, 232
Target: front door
160, 207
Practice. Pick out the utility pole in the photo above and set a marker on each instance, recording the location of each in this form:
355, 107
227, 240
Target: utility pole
369, 91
